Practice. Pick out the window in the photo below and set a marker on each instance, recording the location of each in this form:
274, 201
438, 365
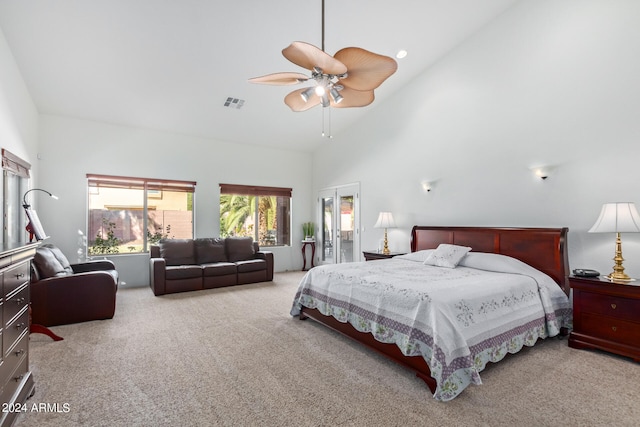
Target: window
15, 173
126, 215
263, 213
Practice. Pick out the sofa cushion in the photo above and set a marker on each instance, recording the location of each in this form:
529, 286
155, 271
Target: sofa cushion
60, 257
210, 250
251, 265
47, 264
239, 248
177, 251
183, 272
219, 269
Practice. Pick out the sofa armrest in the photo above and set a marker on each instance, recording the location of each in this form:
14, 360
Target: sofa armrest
73, 281
102, 264
73, 298
268, 257
157, 280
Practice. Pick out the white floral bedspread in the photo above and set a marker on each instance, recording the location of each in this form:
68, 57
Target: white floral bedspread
456, 319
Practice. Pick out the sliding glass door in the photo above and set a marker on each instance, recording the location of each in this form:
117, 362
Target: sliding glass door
326, 203
339, 216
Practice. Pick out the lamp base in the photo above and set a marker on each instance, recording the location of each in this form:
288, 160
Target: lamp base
618, 274
616, 277
385, 249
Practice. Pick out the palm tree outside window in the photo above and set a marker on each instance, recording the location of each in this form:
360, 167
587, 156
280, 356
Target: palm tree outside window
263, 213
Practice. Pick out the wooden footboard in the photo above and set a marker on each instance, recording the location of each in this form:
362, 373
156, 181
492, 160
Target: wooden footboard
391, 351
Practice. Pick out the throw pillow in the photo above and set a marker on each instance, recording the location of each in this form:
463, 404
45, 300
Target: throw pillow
418, 256
447, 255
47, 264
239, 248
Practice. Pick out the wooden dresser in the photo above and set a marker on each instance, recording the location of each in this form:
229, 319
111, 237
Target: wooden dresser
606, 316
16, 381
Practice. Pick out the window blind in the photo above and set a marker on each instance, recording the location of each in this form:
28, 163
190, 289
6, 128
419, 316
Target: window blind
254, 190
140, 183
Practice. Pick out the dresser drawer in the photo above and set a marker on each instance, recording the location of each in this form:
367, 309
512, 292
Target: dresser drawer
14, 380
613, 306
610, 328
13, 330
15, 276
13, 357
16, 302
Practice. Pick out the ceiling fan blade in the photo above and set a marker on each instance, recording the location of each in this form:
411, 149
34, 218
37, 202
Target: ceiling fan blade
367, 70
308, 56
296, 103
354, 98
280, 79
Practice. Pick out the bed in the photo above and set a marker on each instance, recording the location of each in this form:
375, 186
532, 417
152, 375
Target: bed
446, 322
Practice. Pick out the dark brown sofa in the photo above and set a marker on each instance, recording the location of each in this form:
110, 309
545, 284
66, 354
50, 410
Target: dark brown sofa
64, 293
180, 265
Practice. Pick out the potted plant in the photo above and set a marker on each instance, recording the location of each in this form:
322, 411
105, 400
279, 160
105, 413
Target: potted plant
308, 230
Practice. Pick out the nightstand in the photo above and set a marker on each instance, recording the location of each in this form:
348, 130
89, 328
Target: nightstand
606, 316
373, 255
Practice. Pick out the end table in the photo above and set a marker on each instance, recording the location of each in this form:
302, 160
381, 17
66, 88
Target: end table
606, 316
306, 243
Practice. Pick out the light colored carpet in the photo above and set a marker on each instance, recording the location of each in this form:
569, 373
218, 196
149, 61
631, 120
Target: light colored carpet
234, 357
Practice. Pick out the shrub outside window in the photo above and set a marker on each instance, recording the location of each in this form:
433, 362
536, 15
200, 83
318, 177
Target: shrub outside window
126, 215
263, 213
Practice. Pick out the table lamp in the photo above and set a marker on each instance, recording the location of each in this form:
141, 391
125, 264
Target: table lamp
385, 220
617, 218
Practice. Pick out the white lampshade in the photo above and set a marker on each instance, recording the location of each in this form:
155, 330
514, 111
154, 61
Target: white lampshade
617, 218
385, 220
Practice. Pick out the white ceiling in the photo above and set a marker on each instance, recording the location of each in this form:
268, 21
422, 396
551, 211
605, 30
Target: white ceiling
170, 65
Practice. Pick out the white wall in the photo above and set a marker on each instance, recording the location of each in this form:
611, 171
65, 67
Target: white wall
549, 82
71, 148
18, 114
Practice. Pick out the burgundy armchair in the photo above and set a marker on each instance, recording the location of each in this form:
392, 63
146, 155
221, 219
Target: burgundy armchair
63, 293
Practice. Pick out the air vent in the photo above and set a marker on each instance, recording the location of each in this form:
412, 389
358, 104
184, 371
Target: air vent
234, 103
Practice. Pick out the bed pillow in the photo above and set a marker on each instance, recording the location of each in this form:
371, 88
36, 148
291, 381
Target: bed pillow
447, 255
497, 262
419, 256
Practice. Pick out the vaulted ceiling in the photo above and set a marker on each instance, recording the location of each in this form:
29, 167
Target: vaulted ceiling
170, 65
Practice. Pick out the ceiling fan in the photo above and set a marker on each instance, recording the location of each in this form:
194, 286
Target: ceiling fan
344, 80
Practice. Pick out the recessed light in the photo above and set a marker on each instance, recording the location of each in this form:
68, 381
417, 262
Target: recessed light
401, 54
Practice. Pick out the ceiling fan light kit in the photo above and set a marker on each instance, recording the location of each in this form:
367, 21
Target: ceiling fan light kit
344, 80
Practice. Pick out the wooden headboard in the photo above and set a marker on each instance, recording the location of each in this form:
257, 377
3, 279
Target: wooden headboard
542, 248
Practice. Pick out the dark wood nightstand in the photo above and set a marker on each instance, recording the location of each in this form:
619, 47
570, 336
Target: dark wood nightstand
606, 316
373, 255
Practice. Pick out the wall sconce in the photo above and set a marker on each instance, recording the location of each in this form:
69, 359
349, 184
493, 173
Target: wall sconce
427, 185
542, 172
